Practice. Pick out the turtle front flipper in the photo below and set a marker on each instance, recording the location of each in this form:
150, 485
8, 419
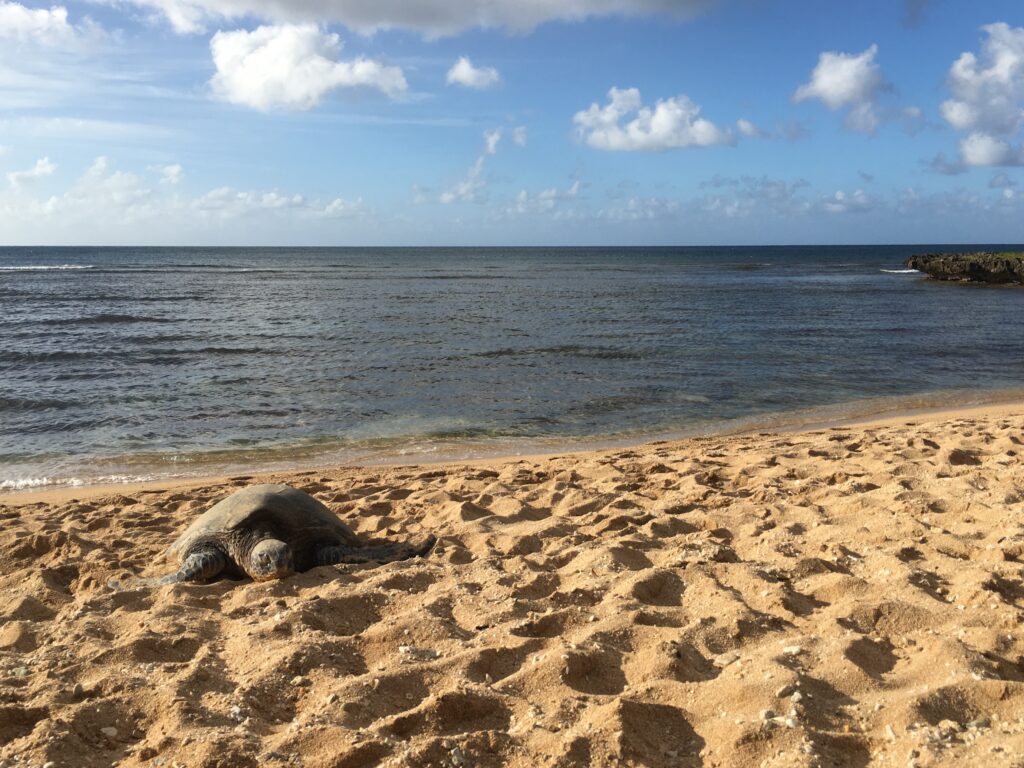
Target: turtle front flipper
201, 565
381, 553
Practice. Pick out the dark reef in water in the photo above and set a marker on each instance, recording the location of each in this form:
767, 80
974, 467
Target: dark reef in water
979, 267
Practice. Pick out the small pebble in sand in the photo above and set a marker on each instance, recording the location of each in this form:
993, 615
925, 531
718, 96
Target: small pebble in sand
423, 654
792, 650
110, 732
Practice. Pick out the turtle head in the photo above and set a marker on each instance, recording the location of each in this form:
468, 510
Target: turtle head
270, 559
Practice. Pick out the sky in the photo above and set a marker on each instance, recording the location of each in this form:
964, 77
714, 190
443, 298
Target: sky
511, 122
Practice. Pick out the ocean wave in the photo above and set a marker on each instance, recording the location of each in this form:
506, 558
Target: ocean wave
17, 356
900, 271
174, 269
109, 318
26, 483
28, 405
45, 267
30, 483
151, 356
566, 350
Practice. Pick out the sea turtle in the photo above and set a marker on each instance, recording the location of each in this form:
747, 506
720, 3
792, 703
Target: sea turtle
272, 531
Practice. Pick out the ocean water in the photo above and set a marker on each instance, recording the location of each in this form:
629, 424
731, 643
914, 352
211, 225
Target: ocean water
120, 363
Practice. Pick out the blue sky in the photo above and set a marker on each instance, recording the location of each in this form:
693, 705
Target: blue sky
366, 122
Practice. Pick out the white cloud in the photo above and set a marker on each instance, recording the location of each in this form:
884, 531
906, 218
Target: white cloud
230, 203
171, 174
641, 209
103, 200
491, 139
954, 209
519, 136
862, 118
981, 149
771, 199
291, 67
545, 201
672, 123
469, 189
43, 167
464, 73
45, 58
432, 18
988, 94
848, 202
340, 208
225, 203
748, 129
41, 26
988, 98
841, 79
846, 80
754, 195
103, 191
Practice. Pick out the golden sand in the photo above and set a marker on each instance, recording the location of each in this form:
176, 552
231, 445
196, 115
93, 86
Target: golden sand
847, 596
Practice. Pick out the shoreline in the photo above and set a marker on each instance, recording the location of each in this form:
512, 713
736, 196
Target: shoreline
1003, 403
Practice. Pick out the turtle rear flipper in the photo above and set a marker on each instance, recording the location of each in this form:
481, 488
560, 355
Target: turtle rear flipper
381, 553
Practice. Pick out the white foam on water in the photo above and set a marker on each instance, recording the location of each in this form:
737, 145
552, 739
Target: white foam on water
45, 267
24, 483
900, 271
30, 483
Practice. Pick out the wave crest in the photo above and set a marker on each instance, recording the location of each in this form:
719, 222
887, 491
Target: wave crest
45, 267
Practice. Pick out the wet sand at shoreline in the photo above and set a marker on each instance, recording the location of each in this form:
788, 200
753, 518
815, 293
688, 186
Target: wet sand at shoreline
842, 596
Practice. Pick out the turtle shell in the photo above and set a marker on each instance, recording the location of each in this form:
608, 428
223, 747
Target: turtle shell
287, 509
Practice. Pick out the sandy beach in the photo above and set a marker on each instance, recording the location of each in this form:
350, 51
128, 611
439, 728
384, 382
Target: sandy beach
845, 596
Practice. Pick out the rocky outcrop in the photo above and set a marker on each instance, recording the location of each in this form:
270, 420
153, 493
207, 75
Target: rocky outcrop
981, 267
